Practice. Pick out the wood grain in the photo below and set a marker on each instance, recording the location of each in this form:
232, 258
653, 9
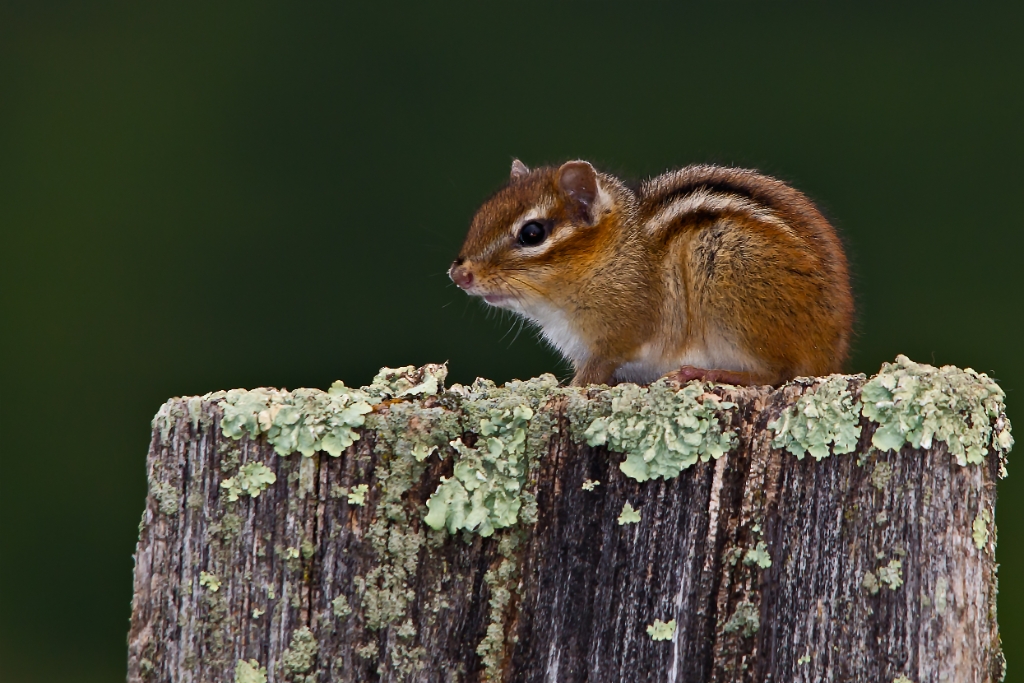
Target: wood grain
569, 597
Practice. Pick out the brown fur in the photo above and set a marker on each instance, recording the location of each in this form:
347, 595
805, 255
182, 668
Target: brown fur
752, 277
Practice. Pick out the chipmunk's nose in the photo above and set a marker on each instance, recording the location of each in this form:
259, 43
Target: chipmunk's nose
460, 274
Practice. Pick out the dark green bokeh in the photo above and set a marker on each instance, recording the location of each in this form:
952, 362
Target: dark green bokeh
197, 199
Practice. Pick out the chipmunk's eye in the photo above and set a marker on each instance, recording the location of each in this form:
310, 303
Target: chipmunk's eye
532, 234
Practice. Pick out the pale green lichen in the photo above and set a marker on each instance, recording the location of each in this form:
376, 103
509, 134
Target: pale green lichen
628, 515
484, 492
487, 489
415, 432
917, 404
368, 651
590, 484
405, 659
980, 529
168, 498
391, 383
357, 495
891, 575
311, 420
758, 555
257, 612
406, 432
911, 403
902, 679
166, 417
250, 672
491, 648
194, 500
209, 581
229, 526
661, 430
805, 659
732, 556
211, 631
340, 607
422, 451
251, 480
662, 630
300, 654
881, 474
194, 406
305, 420
384, 592
822, 416
745, 619
230, 455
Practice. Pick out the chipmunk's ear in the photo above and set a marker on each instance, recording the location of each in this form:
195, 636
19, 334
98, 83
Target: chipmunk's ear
578, 182
519, 170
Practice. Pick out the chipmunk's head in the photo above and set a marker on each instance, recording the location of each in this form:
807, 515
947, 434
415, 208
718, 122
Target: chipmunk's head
528, 243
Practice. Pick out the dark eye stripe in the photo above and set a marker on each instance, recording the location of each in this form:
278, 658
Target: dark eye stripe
532, 234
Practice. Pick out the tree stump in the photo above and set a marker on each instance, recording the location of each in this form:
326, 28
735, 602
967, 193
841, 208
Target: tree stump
832, 529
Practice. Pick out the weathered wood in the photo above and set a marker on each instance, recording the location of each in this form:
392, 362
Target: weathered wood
769, 565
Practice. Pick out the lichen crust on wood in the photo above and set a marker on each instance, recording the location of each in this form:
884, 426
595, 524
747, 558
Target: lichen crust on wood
408, 531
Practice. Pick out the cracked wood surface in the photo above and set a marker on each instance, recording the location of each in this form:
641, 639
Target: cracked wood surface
386, 598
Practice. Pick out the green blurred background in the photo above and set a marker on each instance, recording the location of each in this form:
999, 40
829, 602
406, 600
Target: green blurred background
196, 198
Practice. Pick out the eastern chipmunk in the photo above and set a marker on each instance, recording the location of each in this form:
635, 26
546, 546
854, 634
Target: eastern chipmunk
710, 273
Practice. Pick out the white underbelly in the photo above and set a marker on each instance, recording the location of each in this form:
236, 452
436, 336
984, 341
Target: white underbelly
716, 354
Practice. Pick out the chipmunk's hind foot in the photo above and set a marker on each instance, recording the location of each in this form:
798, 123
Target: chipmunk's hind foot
688, 373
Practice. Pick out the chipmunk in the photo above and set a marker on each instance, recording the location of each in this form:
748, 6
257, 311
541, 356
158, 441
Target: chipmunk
711, 273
